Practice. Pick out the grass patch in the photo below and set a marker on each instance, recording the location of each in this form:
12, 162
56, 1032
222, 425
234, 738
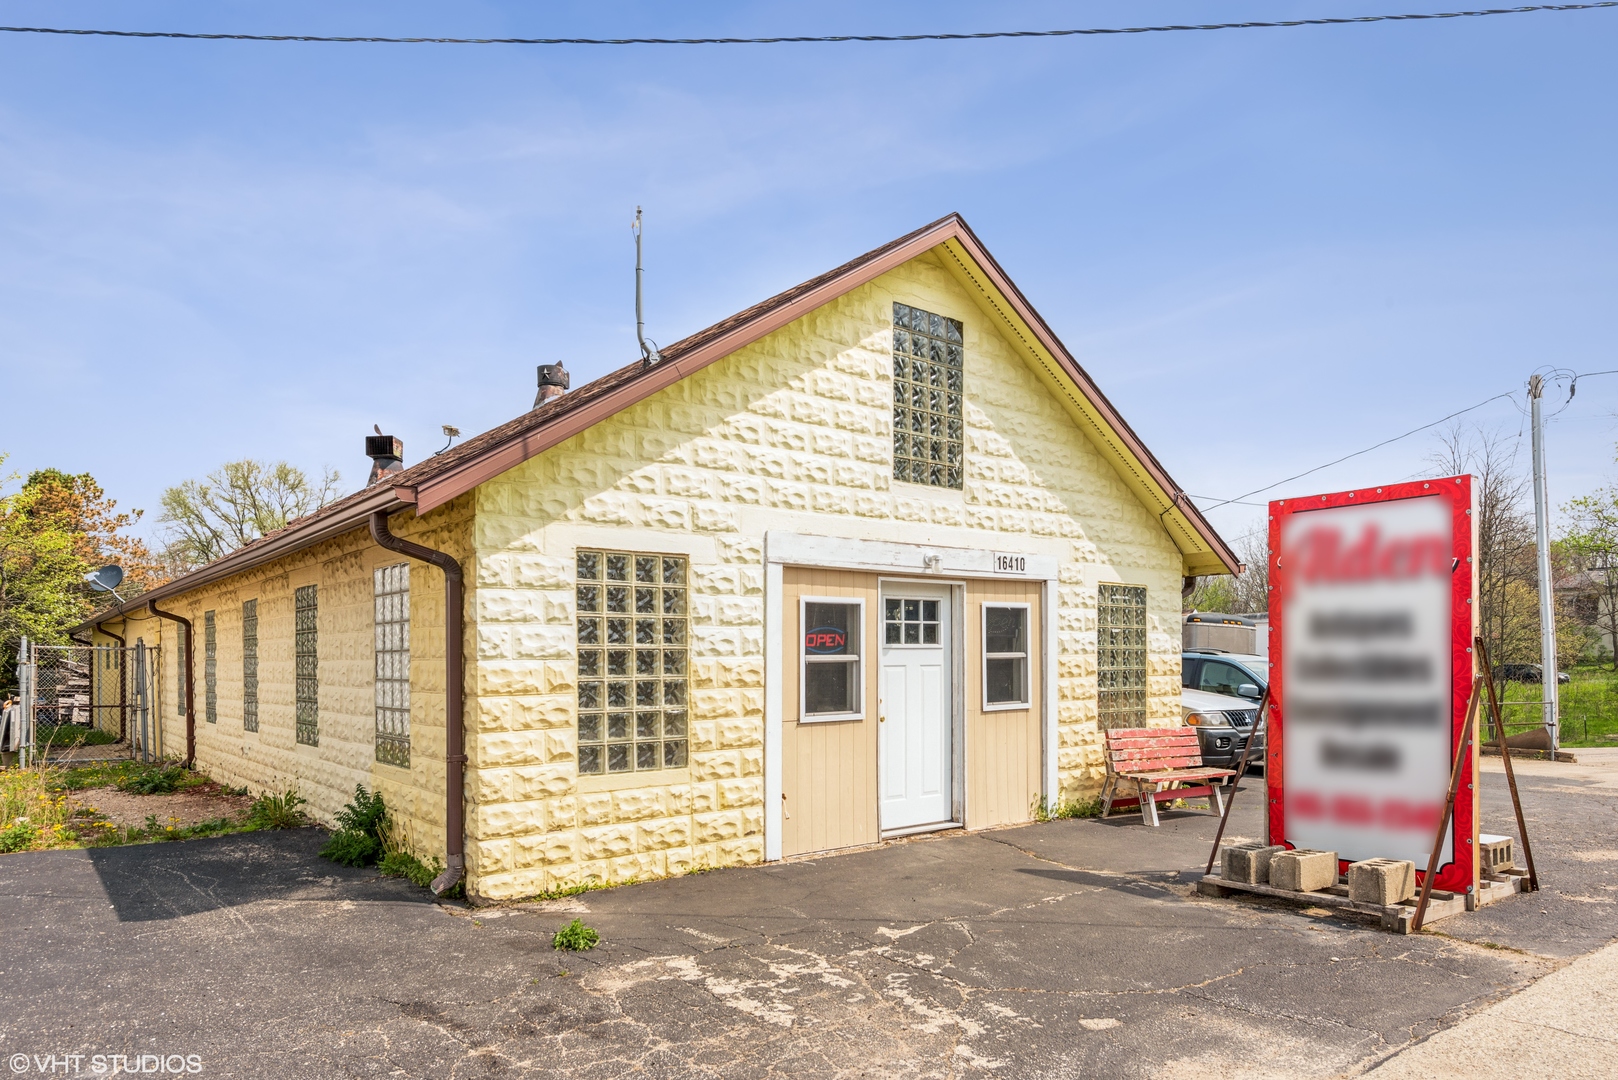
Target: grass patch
405, 865
588, 885
160, 780
1063, 809
1588, 706
575, 937
66, 736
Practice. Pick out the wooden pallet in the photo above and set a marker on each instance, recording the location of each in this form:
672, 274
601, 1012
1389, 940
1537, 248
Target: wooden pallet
1394, 917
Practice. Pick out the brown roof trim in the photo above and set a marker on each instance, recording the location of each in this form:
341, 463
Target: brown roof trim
627, 386
331, 520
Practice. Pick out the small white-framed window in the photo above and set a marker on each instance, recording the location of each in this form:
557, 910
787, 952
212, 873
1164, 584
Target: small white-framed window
831, 664
1005, 657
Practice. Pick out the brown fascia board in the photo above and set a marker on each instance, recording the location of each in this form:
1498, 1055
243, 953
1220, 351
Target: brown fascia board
293, 538
706, 347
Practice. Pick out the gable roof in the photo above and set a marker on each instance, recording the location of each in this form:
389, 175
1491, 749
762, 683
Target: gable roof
432, 483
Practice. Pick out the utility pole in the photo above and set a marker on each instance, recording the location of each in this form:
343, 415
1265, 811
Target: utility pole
1547, 593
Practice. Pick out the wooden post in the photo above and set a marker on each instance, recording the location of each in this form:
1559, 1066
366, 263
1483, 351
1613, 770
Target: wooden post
1449, 804
1259, 724
1505, 756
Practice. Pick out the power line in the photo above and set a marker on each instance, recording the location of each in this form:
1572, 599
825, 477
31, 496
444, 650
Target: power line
822, 39
1357, 453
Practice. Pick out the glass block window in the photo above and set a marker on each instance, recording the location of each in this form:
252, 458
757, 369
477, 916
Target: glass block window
1121, 656
909, 622
210, 668
306, 662
634, 681
1005, 656
392, 619
927, 388
250, 665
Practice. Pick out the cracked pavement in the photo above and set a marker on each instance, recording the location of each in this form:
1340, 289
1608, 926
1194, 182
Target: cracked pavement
1067, 949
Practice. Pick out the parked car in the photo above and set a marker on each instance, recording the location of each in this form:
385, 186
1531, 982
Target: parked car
1223, 724
1534, 673
1238, 680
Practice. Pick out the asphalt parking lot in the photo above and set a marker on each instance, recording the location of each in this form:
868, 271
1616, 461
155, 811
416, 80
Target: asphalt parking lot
1073, 948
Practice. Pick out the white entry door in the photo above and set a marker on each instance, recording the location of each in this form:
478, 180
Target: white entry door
914, 753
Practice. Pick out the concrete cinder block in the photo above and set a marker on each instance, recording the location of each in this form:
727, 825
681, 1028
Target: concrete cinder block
1381, 881
1249, 863
1303, 869
1494, 853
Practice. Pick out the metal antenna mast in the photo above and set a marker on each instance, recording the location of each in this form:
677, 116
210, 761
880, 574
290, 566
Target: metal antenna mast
648, 352
1542, 541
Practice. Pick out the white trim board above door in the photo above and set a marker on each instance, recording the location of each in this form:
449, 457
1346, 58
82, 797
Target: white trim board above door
915, 561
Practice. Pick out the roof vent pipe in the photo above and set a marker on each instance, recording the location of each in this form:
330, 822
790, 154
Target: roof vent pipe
648, 352
553, 383
386, 453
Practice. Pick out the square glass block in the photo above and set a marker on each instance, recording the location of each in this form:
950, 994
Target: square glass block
645, 632
589, 566
618, 662
617, 631
589, 631
674, 754
589, 663
674, 692
589, 597
901, 392
673, 571
901, 362
674, 723
589, 695
646, 755
617, 567
617, 726
646, 693
674, 631
918, 320
590, 760
674, 662
901, 315
618, 598
589, 727
645, 601
646, 569
618, 758
646, 725
673, 601
618, 695
646, 662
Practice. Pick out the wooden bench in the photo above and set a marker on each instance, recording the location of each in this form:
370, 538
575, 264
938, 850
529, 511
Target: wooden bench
1155, 762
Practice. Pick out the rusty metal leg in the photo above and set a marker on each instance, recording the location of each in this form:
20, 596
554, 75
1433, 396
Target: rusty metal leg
1107, 790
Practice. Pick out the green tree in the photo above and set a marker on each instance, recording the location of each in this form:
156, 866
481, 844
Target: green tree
234, 505
1591, 544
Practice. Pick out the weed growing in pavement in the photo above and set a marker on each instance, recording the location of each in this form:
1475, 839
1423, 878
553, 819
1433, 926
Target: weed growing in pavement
1065, 808
361, 826
590, 884
272, 811
575, 937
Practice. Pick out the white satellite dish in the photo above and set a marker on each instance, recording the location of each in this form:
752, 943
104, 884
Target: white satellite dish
107, 579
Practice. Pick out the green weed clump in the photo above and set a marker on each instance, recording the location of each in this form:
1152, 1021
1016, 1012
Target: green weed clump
276, 811
362, 826
405, 865
18, 836
160, 780
575, 937
1062, 809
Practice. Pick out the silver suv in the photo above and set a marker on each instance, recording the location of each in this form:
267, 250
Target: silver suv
1220, 699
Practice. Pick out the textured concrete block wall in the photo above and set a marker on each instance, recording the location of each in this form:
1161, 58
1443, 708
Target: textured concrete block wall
271, 759
793, 432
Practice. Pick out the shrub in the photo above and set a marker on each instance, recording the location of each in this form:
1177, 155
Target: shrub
362, 824
159, 780
349, 847
575, 937
405, 865
276, 811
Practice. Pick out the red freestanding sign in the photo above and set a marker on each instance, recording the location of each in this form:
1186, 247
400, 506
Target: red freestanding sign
1371, 622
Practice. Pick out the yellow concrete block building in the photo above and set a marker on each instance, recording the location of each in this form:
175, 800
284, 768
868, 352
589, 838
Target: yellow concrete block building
871, 558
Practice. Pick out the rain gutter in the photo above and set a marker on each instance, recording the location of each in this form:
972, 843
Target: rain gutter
454, 697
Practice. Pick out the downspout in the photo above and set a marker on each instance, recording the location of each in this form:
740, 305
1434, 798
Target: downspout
454, 698
123, 704
190, 688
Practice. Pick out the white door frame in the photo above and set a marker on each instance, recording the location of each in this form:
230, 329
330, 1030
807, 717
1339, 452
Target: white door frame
919, 562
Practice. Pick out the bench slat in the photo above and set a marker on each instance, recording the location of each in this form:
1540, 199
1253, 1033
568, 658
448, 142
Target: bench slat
1130, 768
1191, 773
1145, 752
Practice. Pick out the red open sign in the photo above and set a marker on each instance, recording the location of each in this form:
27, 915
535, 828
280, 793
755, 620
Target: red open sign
825, 639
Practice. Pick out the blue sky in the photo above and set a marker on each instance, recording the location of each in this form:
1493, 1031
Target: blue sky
1269, 247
